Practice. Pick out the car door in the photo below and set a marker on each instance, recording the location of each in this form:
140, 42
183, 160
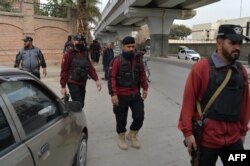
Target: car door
12, 151
182, 54
52, 138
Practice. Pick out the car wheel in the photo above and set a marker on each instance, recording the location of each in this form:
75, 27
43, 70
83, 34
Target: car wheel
81, 157
186, 58
178, 57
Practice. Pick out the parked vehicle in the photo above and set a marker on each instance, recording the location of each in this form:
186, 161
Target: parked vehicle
37, 128
188, 54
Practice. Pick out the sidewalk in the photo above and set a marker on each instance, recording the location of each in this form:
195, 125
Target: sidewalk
54, 69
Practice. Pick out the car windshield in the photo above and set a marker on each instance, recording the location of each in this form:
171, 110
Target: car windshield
191, 52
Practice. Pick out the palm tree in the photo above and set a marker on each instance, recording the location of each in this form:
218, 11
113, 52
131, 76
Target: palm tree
89, 14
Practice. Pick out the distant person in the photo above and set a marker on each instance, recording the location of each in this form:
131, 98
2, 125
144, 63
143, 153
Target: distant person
95, 51
31, 58
108, 55
68, 44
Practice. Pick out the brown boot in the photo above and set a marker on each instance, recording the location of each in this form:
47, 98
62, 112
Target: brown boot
122, 142
132, 136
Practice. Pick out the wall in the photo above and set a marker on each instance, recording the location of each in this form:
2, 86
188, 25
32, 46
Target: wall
49, 34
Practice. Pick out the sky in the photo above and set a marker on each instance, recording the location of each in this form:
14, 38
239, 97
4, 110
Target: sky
224, 9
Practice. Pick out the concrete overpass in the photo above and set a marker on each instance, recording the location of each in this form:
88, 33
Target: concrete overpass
121, 17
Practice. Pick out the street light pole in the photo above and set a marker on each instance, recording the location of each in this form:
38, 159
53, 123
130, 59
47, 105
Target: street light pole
240, 7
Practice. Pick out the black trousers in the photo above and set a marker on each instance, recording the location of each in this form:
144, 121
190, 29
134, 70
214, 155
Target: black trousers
96, 57
209, 156
135, 103
106, 71
77, 93
37, 75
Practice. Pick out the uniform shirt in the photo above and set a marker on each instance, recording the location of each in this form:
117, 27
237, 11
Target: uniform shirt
118, 90
108, 55
216, 133
65, 67
31, 59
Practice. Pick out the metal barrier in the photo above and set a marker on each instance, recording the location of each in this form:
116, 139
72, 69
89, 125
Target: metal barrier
50, 10
9, 6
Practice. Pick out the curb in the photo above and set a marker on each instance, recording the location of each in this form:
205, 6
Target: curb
179, 62
182, 63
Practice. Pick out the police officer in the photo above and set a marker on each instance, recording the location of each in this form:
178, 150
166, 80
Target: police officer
75, 70
31, 58
126, 75
225, 123
95, 50
108, 55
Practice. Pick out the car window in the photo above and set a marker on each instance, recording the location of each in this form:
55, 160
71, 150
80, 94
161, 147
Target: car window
32, 104
191, 52
183, 51
6, 137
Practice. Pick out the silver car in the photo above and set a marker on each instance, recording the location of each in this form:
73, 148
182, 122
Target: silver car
36, 127
188, 54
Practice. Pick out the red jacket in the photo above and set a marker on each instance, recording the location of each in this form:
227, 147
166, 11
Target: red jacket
216, 134
116, 90
66, 64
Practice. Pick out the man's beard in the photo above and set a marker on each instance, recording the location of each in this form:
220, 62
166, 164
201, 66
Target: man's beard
26, 46
231, 57
80, 47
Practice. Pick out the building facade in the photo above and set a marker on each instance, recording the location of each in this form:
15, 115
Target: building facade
208, 31
49, 33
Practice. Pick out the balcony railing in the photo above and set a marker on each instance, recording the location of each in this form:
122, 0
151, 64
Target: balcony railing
9, 6
50, 10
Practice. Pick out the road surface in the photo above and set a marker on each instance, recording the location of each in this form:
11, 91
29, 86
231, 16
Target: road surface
160, 139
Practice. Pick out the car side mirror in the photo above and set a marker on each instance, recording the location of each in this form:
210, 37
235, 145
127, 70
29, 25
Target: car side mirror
73, 106
47, 111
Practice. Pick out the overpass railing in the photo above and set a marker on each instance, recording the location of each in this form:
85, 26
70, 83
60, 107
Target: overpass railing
107, 5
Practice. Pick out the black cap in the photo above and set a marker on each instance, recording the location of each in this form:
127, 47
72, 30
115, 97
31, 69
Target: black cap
27, 38
79, 37
232, 32
128, 40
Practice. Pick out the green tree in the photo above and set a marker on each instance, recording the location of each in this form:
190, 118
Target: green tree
6, 5
179, 31
88, 13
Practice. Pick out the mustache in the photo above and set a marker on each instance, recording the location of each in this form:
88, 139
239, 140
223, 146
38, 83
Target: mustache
236, 51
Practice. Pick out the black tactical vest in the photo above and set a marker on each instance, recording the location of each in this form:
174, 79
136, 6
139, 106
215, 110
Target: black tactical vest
227, 106
79, 67
128, 76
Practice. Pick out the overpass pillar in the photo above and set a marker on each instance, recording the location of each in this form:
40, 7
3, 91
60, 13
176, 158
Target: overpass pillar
159, 28
106, 37
123, 33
